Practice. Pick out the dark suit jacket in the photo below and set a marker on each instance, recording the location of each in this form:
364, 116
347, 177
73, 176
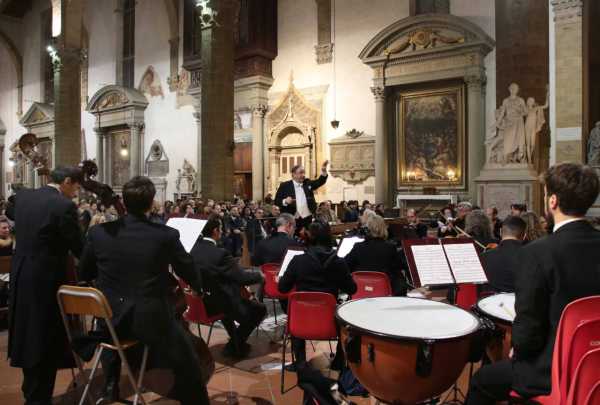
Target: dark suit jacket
223, 278
500, 265
47, 228
554, 271
378, 255
129, 259
318, 270
286, 189
272, 250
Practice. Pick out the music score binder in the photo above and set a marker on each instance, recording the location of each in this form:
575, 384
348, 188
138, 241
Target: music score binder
437, 262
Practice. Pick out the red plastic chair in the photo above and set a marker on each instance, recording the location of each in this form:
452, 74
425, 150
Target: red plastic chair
371, 284
196, 311
575, 313
271, 271
585, 378
466, 296
311, 316
593, 397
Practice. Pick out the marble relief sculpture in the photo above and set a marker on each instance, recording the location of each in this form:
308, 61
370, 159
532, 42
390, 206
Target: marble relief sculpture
186, 179
593, 146
534, 121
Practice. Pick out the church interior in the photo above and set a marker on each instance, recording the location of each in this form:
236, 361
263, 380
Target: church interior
429, 114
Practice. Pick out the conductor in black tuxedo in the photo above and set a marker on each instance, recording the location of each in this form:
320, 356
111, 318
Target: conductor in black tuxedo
223, 281
501, 263
297, 196
129, 260
47, 229
554, 271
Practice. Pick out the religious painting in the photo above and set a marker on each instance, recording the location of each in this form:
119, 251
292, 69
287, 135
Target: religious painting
431, 137
150, 84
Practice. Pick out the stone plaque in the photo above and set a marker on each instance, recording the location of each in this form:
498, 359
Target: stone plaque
502, 196
353, 156
568, 151
157, 162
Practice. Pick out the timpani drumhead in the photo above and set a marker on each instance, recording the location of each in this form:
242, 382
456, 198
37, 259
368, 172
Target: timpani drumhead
500, 306
412, 318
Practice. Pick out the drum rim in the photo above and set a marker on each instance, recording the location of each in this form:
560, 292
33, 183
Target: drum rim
349, 325
490, 316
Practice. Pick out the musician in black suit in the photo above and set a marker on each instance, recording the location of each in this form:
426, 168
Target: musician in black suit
129, 260
297, 196
273, 250
377, 254
501, 263
223, 280
320, 270
47, 229
554, 271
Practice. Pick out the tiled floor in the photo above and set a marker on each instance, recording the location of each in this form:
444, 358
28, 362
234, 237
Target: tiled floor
255, 380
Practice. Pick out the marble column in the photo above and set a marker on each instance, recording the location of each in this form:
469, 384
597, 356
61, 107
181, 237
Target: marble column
382, 192
216, 18
135, 149
100, 153
258, 157
568, 28
198, 119
475, 130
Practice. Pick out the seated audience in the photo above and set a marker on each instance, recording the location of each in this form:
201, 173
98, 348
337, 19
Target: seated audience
501, 263
272, 250
319, 269
351, 213
517, 209
553, 272
534, 227
223, 280
234, 226
377, 254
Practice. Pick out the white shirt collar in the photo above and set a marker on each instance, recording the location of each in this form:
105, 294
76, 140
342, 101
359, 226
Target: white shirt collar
297, 184
211, 240
565, 222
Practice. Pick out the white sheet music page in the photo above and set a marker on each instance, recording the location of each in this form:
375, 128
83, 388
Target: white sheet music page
464, 262
347, 245
287, 259
189, 230
432, 265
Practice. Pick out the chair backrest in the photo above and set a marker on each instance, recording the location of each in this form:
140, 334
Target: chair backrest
585, 339
371, 284
83, 301
466, 296
271, 271
585, 378
5, 264
311, 315
593, 397
196, 310
575, 313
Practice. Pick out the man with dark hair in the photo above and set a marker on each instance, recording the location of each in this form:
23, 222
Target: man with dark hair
273, 250
501, 263
553, 271
223, 281
297, 196
517, 209
129, 259
47, 229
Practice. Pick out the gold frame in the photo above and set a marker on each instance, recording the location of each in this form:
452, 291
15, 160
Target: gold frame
460, 181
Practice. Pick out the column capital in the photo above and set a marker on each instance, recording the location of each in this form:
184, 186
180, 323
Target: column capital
567, 10
209, 12
475, 82
99, 131
197, 116
378, 92
137, 125
259, 110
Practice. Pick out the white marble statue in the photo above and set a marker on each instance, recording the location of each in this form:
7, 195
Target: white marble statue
186, 179
533, 124
510, 125
593, 146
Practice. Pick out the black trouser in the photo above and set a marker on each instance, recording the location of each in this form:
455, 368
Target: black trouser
176, 352
491, 383
252, 315
38, 383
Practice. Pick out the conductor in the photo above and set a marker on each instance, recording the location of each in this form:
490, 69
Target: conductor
296, 196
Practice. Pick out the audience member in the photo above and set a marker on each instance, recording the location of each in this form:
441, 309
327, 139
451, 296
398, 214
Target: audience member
534, 227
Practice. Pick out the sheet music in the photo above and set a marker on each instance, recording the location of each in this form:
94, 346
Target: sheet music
347, 245
432, 265
465, 264
287, 259
189, 230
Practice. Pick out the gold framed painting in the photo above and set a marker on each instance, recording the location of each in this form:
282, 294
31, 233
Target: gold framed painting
431, 137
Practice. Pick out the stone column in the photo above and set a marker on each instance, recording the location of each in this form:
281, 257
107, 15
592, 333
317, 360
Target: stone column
108, 158
100, 153
382, 192
475, 130
216, 172
258, 157
135, 150
198, 119
569, 78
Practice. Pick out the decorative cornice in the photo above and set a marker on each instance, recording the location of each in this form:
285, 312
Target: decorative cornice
567, 10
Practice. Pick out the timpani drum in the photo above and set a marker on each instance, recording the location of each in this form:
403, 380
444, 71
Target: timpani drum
405, 350
500, 309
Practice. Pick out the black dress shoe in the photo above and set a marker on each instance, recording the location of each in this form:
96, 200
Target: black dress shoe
292, 367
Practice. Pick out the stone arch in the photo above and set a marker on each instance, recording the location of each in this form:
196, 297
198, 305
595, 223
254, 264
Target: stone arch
17, 61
